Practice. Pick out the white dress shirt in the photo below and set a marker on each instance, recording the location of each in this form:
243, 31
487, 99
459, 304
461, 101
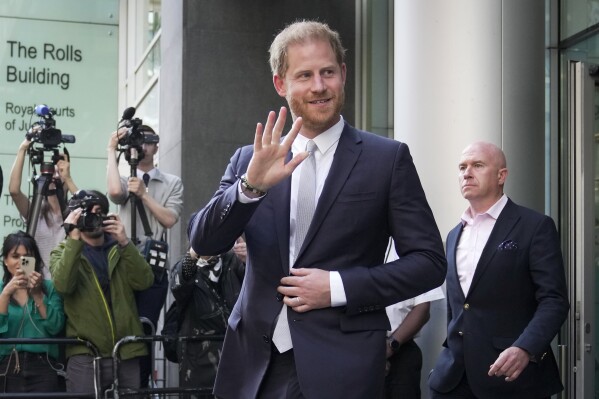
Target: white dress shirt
475, 234
326, 142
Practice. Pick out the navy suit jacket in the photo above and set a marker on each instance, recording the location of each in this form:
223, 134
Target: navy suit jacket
518, 297
372, 192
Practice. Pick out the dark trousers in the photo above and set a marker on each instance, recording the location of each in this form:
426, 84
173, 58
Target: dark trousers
81, 376
280, 380
403, 379
34, 373
149, 304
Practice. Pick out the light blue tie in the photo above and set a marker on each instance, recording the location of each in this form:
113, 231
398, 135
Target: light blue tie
306, 197
306, 203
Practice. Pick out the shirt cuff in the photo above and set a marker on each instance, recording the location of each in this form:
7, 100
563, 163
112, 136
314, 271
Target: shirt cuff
338, 297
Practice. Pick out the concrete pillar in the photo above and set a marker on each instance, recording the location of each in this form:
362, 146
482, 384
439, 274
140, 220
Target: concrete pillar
469, 70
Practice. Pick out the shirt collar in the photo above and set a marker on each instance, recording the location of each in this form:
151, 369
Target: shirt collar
153, 172
324, 140
494, 211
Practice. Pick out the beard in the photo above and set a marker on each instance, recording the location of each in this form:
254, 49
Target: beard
317, 120
97, 233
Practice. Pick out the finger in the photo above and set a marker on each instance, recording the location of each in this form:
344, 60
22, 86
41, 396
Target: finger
258, 137
267, 134
290, 281
300, 272
295, 129
295, 161
279, 125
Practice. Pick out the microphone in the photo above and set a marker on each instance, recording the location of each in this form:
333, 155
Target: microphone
127, 114
44, 110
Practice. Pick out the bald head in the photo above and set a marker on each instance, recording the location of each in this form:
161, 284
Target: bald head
492, 153
482, 174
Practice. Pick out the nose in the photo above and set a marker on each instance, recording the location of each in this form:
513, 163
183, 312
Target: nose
318, 84
466, 172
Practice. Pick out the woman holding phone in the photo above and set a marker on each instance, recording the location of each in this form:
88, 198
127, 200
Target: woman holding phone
29, 308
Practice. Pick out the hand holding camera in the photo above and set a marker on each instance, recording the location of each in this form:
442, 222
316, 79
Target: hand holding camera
115, 227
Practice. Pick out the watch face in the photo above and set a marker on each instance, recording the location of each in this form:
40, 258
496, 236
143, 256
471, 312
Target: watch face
394, 344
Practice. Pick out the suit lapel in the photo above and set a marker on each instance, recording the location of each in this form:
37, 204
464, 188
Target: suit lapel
505, 223
346, 155
280, 199
453, 238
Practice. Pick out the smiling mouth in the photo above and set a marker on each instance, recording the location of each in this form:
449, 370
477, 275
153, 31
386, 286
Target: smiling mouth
323, 101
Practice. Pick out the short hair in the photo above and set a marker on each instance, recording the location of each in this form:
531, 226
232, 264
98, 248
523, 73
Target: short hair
146, 129
302, 32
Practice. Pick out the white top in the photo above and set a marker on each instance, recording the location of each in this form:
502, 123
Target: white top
398, 312
47, 237
476, 232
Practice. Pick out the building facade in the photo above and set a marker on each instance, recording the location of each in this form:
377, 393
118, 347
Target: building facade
435, 74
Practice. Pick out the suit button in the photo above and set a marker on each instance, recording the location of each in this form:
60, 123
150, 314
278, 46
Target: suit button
466, 306
279, 297
460, 333
266, 339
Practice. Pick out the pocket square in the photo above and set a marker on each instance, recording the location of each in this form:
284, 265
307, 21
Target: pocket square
508, 245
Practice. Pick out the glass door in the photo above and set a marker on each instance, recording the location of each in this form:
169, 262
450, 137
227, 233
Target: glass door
579, 221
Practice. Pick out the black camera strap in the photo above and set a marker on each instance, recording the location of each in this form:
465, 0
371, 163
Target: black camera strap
143, 216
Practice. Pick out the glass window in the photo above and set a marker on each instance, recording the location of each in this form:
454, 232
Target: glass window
148, 69
147, 21
577, 15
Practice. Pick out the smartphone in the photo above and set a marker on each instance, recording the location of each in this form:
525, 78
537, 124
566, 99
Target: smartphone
28, 264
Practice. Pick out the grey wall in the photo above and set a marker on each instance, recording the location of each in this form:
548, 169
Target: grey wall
227, 84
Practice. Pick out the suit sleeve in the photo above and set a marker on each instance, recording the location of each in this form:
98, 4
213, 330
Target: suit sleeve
548, 276
214, 229
421, 265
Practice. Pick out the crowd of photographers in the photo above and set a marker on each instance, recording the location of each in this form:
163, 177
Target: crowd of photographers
92, 278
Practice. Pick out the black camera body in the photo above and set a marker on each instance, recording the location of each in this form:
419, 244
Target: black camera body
133, 137
44, 131
88, 220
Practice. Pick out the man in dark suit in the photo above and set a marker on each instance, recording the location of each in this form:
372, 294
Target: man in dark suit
310, 321
506, 292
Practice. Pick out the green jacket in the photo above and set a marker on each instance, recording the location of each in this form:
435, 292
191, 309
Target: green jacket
88, 314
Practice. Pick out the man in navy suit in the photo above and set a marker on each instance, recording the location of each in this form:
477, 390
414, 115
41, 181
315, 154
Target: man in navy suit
506, 292
310, 320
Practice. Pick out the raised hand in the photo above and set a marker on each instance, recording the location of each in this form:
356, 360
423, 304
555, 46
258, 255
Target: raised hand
267, 166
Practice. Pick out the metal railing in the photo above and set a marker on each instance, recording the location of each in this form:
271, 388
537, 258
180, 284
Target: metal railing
57, 341
114, 391
200, 392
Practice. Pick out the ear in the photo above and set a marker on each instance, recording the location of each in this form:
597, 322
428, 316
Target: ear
502, 175
343, 73
279, 84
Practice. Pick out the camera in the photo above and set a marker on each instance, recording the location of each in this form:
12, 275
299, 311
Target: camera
44, 131
88, 220
134, 136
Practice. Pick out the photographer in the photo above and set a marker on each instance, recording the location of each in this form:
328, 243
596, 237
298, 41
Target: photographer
30, 307
161, 194
96, 270
206, 289
49, 228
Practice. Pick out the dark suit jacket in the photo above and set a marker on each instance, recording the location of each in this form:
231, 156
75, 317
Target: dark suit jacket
372, 192
518, 297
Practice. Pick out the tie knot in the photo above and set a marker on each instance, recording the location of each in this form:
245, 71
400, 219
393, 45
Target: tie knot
311, 146
146, 178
